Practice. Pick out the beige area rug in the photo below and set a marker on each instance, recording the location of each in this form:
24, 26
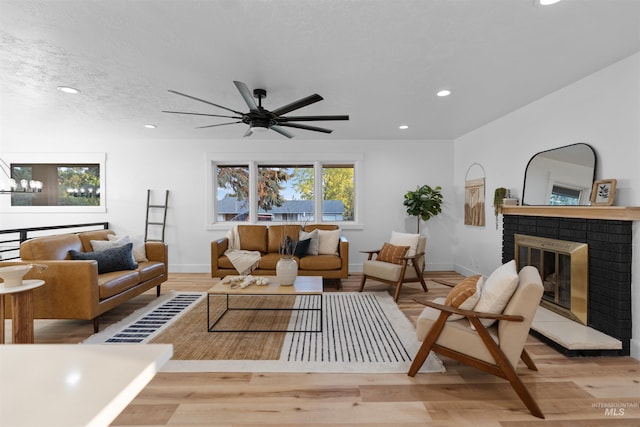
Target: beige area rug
361, 333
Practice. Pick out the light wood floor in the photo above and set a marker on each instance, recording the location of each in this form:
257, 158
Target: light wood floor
570, 391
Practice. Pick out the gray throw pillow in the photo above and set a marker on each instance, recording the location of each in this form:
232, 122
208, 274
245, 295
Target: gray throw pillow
115, 259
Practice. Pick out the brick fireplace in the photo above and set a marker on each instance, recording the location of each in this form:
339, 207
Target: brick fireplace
609, 260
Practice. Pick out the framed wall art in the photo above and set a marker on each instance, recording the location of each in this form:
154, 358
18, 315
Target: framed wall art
603, 192
71, 182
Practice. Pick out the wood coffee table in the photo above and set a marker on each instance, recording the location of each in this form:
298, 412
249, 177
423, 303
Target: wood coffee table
304, 285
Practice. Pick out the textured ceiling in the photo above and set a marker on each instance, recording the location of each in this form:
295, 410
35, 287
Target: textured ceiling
380, 61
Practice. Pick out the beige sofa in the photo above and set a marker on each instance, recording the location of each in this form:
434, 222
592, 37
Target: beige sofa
268, 239
73, 289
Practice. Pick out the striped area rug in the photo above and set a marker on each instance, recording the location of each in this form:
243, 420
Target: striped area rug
361, 333
143, 325
357, 327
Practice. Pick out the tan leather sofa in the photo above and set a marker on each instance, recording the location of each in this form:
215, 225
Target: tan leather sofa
267, 240
73, 289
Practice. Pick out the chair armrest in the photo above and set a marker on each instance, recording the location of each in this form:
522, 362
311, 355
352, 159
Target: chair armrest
343, 252
371, 252
218, 248
412, 257
157, 251
471, 313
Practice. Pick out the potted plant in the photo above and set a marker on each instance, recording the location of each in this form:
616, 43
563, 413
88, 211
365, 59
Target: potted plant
424, 202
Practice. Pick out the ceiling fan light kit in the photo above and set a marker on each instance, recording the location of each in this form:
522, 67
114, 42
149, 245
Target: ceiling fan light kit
260, 119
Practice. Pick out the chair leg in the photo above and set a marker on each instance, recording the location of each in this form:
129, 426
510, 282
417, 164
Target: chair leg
338, 284
526, 358
364, 279
419, 274
517, 384
96, 324
158, 291
427, 343
397, 293
507, 369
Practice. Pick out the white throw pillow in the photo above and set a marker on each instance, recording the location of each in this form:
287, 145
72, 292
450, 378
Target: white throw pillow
313, 244
328, 241
103, 245
139, 251
497, 290
405, 239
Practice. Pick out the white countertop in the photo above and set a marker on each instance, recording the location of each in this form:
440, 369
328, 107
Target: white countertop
73, 384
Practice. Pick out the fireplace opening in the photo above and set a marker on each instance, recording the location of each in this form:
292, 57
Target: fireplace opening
563, 267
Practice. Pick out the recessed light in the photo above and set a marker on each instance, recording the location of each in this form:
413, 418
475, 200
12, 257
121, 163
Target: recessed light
150, 126
403, 127
444, 92
67, 89
546, 2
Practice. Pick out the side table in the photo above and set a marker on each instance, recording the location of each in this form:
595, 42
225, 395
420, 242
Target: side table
21, 310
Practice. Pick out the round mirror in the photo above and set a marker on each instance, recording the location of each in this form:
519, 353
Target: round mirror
560, 176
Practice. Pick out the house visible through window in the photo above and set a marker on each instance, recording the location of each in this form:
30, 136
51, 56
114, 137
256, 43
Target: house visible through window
287, 192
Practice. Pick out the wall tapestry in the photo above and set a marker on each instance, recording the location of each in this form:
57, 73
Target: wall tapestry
474, 198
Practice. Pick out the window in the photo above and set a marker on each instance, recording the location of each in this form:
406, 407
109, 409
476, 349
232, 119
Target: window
282, 191
72, 182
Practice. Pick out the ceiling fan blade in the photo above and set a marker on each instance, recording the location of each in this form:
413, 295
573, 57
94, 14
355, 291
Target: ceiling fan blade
297, 104
206, 102
281, 131
246, 95
305, 127
202, 114
311, 118
220, 124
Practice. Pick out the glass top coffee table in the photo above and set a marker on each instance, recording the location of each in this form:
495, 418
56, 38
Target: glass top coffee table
265, 308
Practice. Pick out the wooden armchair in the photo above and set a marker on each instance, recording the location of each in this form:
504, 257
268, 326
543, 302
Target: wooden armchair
495, 349
408, 269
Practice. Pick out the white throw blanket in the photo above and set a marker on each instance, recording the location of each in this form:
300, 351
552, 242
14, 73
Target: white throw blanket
244, 261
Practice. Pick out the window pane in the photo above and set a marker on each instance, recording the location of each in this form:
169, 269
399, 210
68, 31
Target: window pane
338, 193
63, 185
285, 193
232, 192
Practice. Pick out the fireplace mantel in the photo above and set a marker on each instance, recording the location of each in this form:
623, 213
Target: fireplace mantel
620, 213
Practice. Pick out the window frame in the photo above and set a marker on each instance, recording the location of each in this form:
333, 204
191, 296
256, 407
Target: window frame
253, 160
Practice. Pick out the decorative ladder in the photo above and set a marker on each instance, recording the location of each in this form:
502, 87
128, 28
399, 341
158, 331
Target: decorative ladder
159, 211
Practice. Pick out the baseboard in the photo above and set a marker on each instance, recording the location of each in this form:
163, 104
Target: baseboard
189, 268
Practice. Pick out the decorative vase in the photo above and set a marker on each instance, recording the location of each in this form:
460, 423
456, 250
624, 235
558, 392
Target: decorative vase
286, 271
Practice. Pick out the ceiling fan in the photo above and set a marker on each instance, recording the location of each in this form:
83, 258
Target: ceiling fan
260, 119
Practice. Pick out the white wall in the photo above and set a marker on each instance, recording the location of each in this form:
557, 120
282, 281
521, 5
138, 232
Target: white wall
602, 110
390, 168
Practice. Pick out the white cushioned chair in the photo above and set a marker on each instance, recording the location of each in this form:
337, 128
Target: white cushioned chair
495, 349
408, 269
